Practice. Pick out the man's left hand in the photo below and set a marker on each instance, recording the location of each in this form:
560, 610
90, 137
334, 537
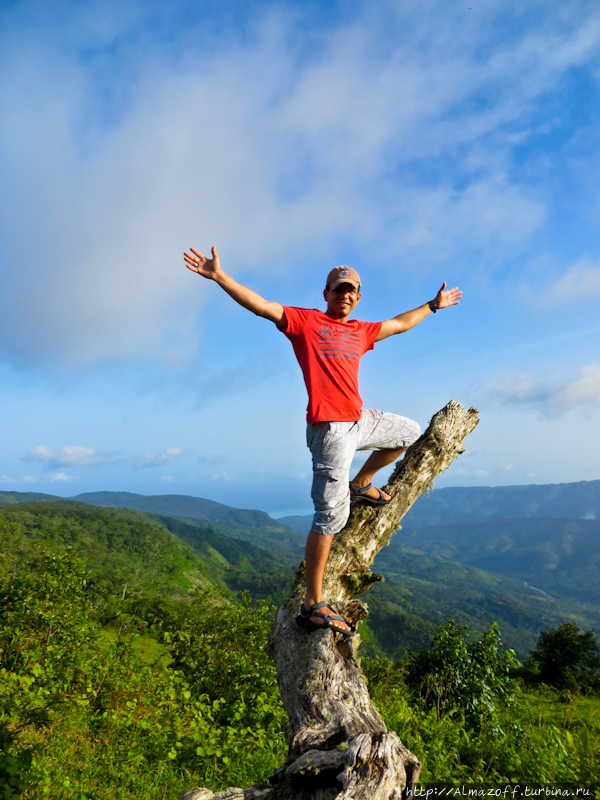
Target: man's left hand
447, 297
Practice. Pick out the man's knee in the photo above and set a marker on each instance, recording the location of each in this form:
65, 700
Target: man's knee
413, 432
332, 505
332, 509
405, 432
394, 432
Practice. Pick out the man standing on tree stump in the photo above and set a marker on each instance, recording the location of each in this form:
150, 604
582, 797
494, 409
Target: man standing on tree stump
329, 346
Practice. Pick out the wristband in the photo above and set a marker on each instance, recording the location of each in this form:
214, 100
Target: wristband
431, 305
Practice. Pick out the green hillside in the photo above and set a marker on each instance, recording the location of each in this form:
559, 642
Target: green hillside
559, 556
10, 498
160, 555
119, 547
255, 527
241, 566
148, 553
421, 591
126, 665
175, 505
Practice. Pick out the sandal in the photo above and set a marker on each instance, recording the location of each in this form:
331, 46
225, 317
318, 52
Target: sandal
358, 495
304, 621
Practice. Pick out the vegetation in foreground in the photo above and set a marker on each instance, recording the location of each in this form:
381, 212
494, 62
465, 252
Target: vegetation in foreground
107, 692
457, 707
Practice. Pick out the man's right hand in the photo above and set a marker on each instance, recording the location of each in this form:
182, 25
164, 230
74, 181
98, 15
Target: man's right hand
207, 267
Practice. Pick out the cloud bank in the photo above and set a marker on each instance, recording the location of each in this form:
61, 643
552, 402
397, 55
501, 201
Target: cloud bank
580, 391
70, 456
579, 283
117, 150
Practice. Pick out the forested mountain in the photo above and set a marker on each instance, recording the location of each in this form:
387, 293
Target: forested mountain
561, 501
120, 548
10, 498
153, 555
422, 590
433, 572
179, 505
559, 556
255, 527
547, 536
265, 573
539, 537
298, 522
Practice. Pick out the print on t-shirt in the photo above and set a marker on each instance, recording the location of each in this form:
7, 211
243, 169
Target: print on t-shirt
336, 343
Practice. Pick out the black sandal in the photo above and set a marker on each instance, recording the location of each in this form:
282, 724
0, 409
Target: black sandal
358, 495
304, 621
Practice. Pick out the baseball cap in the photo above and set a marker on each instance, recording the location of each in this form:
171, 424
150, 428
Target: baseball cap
343, 274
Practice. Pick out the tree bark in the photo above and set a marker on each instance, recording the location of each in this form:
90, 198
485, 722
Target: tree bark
339, 746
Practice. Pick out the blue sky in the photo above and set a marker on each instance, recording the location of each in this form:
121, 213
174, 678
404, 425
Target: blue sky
417, 142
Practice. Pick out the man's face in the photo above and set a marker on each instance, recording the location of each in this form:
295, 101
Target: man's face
342, 300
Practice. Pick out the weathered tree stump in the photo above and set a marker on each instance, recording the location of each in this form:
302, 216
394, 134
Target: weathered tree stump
339, 746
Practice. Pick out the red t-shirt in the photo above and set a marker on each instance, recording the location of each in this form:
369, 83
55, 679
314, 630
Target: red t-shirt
329, 354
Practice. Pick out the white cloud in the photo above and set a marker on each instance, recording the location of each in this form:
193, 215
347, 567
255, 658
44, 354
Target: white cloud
167, 479
60, 477
76, 455
434, 219
579, 283
522, 387
472, 473
222, 476
212, 459
579, 391
158, 459
582, 391
40, 453
268, 149
23, 479
72, 455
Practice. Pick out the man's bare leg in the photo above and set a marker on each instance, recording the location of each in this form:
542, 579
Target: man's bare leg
376, 461
317, 553
319, 546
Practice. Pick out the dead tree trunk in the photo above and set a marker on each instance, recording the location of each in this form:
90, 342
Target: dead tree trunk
339, 746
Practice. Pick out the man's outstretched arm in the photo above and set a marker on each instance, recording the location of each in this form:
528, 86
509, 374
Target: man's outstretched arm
210, 268
404, 322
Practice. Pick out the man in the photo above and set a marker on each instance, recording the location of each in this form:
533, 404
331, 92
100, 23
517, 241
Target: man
329, 346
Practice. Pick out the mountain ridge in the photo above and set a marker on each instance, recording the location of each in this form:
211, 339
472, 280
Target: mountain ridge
578, 500
559, 556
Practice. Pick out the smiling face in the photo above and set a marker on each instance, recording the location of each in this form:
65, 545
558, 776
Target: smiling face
341, 301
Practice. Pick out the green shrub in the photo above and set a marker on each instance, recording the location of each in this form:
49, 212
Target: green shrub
568, 658
470, 678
